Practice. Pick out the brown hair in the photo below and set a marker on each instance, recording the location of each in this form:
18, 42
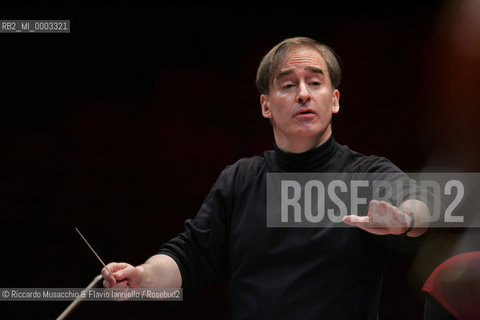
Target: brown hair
274, 58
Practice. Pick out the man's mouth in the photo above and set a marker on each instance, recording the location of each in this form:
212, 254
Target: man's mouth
304, 112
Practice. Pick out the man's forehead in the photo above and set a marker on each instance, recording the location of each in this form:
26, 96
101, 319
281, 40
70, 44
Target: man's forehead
303, 57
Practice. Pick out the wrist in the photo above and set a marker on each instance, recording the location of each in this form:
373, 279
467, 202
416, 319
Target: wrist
141, 271
411, 218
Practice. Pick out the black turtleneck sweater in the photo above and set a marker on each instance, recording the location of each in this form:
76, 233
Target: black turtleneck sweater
283, 273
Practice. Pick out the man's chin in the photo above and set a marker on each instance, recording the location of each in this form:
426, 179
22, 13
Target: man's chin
308, 131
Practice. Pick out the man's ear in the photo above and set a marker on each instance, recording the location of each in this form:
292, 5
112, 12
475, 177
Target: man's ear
336, 101
264, 102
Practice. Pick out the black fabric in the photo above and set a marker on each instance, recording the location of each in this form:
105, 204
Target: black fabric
434, 310
284, 273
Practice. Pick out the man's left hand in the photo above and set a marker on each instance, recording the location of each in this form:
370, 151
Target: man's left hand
382, 219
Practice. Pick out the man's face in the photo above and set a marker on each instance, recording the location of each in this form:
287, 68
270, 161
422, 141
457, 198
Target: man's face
301, 99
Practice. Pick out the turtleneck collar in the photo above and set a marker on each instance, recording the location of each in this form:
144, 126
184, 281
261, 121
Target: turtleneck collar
306, 161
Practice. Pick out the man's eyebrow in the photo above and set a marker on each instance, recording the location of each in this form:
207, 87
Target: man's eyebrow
289, 71
315, 70
283, 73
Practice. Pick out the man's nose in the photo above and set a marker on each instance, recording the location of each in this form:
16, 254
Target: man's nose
303, 94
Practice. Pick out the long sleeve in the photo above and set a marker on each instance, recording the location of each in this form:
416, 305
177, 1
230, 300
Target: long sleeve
201, 250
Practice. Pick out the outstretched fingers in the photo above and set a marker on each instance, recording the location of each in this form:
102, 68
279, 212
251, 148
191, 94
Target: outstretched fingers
356, 221
382, 218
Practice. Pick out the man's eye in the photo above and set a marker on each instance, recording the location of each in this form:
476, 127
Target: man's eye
287, 86
315, 83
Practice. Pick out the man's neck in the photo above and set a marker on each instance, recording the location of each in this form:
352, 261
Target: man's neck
301, 144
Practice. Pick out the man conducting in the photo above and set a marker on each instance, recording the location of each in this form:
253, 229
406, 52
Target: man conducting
285, 273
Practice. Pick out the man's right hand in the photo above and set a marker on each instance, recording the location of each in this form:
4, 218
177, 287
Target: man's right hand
124, 276
159, 271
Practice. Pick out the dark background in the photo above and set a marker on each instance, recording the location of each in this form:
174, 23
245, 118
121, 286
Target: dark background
121, 127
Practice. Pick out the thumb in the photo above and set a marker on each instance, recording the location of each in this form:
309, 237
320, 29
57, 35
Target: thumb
130, 274
124, 273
